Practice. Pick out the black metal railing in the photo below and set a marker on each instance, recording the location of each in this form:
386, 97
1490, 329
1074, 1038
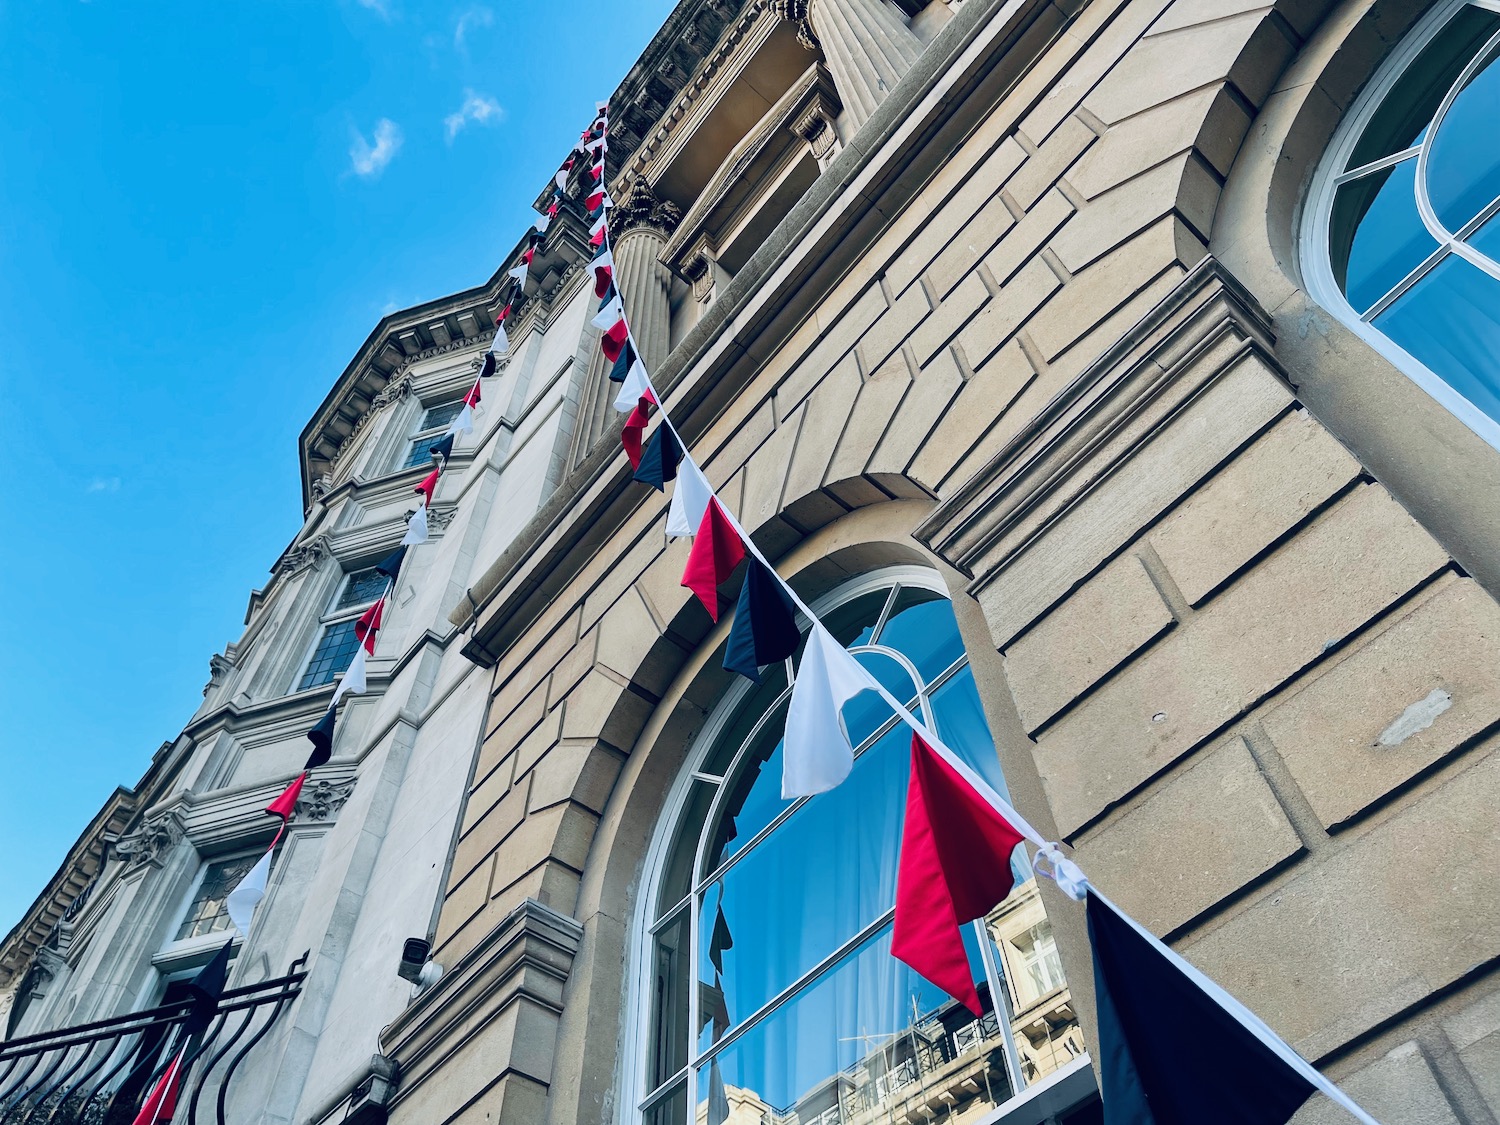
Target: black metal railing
98, 1073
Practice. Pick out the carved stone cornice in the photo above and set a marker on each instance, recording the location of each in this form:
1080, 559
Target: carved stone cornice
297, 559
149, 844
323, 799
642, 208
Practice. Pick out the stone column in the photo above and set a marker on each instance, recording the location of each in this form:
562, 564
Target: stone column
867, 43
639, 229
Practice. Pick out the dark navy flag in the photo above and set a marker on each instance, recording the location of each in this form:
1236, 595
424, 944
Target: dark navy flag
391, 565
765, 624
660, 458
442, 449
622, 365
1212, 1069
206, 989
321, 736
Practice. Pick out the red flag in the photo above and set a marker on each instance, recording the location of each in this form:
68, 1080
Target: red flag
428, 486
286, 804
635, 429
597, 238
595, 200
369, 624
472, 398
614, 340
502, 315
716, 551
955, 867
162, 1102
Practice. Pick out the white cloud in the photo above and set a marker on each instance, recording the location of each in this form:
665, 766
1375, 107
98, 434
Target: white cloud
478, 108
370, 160
473, 17
103, 484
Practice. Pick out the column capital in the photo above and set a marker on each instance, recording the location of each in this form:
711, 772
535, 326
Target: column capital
643, 209
795, 11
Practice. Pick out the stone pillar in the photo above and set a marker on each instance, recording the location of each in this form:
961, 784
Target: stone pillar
639, 229
867, 43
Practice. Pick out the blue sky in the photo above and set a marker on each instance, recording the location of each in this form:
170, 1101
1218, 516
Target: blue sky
204, 209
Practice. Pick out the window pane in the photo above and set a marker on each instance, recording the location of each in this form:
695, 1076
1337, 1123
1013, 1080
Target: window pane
923, 629
677, 879
755, 799
421, 450
207, 913
363, 586
671, 1111
864, 714
441, 415
669, 1002
1375, 235
1406, 111
853, 623
961, 724
1046, 1028
1450, 320
829, 869
1463, 172
868, 1040
334, 652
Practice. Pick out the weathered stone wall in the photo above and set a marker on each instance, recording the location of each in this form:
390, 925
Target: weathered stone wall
1233, 670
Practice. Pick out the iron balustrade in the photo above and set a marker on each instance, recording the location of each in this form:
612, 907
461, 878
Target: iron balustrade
98, 1073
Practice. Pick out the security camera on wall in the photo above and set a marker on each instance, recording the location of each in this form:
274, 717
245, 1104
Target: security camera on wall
417, 967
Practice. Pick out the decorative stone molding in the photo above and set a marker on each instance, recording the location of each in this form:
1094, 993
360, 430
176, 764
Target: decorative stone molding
322, 486
324, 799
46, 966
795, 11
643, 209
438, 519
298, 559
698, 267
149, 845
816, 127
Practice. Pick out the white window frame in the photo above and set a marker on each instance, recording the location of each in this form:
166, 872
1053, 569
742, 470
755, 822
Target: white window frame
178, 957
1318, 212
421, 432
330, 617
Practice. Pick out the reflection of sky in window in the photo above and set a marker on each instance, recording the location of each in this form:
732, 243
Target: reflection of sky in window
1463, 172
1390, 240
922, 627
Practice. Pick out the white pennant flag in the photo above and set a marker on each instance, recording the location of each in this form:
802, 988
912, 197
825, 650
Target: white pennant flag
519, 273
464, 423
561, 179
416, 528
353, 679
817, 755
633, 388
542, 223
247, 894
596, 145
690, 497
598, 226
609, 315
501, 344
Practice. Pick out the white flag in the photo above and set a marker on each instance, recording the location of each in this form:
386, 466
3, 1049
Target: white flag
542, 223
598, 225
519, 273
817, 755
690, 497
633, 389
502, 341
561, 179
595, 145
353, 679
416, 528
609, 315
464, 422
246, 896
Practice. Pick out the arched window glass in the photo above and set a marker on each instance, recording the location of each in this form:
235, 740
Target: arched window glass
767, 990
1403, 230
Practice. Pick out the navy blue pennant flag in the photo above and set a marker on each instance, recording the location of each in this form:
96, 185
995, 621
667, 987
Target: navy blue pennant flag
622, 365
321, 736
660, 458
205, 990
391, 565
441, 449
488, 367
765, 624
1219, 1072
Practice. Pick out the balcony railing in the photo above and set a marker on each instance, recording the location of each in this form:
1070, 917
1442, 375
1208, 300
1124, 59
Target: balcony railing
98, 1073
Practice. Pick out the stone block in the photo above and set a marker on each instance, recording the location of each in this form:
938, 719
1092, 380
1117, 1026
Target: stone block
626, 633
535, 744
970, 245
1180, 183
661, 583
1084, 639
878, 405
1029, 235
488, 790
541, 647
463, 901
1290, 471
1045, 166
584, 772
1399, 1086
511, 721
1209, 830
983, 400
1348, 941
1145, 483
1475, 1034
951, 315
935, 386
1400, 702
562, 832
489, 829
1284, 615
1209, 120
890, 331
998, 321
827, 412
573, 667
832, 347
765, 479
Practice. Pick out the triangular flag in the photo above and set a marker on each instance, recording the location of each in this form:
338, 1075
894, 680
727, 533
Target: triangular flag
613, 341
716, 551
390, 566
817, 755
442, 449
353, 679
487, 365
627, 360
161, 1103
369, 624
498, 347
519, 273
596, 199
609, 313
428, 486
416, 526
635, 386
206, 990
634, 430
720, 941
543, 222
561, 176
765, 622
718, 1096
603, 266
1221, 1072
247, 894
954, 868
285, 806
690, 499
321, 735
660, 458
463, 421
476, 392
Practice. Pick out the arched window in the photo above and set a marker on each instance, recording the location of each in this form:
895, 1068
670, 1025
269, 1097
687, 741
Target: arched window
1403, 243
765, 989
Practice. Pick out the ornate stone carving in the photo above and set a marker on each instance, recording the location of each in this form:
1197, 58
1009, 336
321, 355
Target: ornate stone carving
300, 558
795, 11
699, 267
322, 486
438, 519
150, 844
219, 667
642, 209
322, 800
46, 966
815, 126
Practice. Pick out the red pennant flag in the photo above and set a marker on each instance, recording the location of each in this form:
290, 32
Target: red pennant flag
286, 805
369, 624
472, 398
614, 340
717, 550
635, 429
428, 487
528, 254
597, 238
595, 200
502, 316
162, 1102
955, 867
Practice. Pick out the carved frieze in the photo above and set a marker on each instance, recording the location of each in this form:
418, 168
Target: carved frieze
150, 844
323, 799
297, 559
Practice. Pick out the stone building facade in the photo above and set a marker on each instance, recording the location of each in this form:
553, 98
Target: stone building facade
1025, 308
